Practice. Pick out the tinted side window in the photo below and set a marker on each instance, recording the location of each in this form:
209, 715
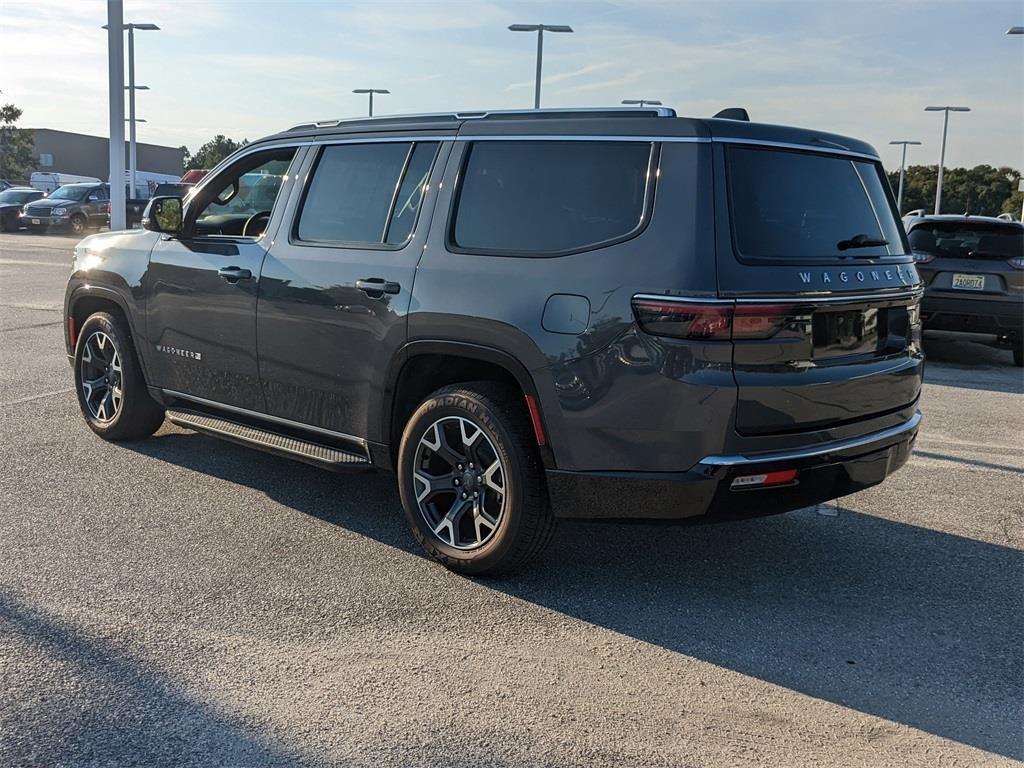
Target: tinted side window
349, 199
799, 205
544, 197
410, 194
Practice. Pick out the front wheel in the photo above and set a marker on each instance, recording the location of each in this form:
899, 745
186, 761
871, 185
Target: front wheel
111, 388
471, 480
78, 224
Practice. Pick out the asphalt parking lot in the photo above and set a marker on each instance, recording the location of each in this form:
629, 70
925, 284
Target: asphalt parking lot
182, 601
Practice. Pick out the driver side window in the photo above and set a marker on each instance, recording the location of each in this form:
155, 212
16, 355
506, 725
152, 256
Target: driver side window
238, 202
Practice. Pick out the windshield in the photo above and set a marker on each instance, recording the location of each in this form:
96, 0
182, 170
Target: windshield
803, 206
76, 192
18, 196
960, 240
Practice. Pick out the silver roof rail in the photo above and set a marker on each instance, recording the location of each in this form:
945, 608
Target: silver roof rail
482, 114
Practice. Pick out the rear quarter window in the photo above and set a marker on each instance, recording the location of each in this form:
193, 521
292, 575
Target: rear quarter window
801, 206
546, 198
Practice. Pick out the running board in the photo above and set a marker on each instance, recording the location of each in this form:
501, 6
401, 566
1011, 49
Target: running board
263, 439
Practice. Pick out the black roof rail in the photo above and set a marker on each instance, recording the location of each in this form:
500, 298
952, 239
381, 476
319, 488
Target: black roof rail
733, 113
494, 114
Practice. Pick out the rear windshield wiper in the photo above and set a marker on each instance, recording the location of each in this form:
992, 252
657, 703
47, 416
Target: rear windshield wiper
861, 241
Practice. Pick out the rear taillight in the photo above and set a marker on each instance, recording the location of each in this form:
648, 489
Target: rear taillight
684, 320
920, 257
109, 209
699, 321
1017, 262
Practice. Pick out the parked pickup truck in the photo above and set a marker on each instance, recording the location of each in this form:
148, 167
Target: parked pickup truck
70, 208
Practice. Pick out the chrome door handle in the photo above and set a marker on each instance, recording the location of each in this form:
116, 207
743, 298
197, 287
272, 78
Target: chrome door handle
376, 287
234, 274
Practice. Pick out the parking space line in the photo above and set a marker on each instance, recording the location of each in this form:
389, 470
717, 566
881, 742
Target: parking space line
27, 262
37, 397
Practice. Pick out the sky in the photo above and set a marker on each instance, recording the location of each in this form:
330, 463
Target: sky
247, 69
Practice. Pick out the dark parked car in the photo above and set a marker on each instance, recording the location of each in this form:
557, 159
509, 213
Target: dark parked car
973, 271
71, 208
527, 315
11, 201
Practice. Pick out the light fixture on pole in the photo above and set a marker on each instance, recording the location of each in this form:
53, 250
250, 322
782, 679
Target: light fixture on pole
371, 91
1015, 31
132, 88
942, 151
642, 102
540, 29
903, 164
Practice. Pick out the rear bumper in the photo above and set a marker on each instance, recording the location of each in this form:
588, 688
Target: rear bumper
826, 471
970, 314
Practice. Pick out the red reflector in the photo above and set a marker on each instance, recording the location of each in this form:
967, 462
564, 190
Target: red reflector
538, 426
72, 336
781, 477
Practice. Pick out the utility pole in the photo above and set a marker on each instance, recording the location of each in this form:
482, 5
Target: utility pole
115, 77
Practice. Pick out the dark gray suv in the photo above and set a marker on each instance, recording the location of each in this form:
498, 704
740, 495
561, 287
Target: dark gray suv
596, 313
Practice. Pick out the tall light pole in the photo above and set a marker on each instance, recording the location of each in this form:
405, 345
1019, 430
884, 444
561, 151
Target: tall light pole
371, 91
642, 102
903, 164
115, 83
1015, 31
942, 151
132, 88
540, 29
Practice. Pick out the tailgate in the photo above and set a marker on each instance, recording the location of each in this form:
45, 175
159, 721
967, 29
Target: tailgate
828, 363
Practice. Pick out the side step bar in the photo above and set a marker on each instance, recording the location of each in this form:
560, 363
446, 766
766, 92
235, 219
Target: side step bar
274, 442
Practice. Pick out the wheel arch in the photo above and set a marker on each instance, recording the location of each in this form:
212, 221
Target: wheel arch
89, 299
424, 366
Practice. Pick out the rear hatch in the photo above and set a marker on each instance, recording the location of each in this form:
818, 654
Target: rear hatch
965, 258
826, 330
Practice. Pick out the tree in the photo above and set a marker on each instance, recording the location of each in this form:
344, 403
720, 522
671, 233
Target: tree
212, 152
17, 151
981, 190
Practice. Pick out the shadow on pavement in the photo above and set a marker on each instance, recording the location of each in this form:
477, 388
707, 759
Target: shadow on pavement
970, 362
906, 623
109, 709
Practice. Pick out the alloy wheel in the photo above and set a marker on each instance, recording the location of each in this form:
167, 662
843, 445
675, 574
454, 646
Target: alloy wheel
459, 482
101, 377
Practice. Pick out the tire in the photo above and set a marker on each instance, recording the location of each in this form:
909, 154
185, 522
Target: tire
78, 224
108, 379
510, 521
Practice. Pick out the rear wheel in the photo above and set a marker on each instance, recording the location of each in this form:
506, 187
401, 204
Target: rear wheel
471, 480
111, 389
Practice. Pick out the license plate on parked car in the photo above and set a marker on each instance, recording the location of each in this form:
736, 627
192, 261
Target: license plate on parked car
970, 282
35, 221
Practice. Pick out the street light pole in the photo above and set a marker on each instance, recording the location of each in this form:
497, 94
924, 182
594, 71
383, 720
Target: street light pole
540, 29
903, 164
115, 82
371, 91
642, 102
942, 150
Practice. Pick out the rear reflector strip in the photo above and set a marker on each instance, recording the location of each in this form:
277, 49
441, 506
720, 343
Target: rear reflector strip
765, 480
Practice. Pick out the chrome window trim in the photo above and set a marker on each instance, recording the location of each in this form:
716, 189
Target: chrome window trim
819, 450
266, 417
586, 137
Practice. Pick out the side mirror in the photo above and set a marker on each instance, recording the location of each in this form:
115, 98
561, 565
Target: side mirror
163, 214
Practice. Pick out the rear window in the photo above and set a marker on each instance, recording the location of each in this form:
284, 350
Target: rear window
794, 206
959, 240
550, 197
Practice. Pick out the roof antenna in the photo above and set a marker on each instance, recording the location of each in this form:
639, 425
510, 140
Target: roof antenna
734, 113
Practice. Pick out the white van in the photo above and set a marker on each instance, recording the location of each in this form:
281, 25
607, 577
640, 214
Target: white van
48, 182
